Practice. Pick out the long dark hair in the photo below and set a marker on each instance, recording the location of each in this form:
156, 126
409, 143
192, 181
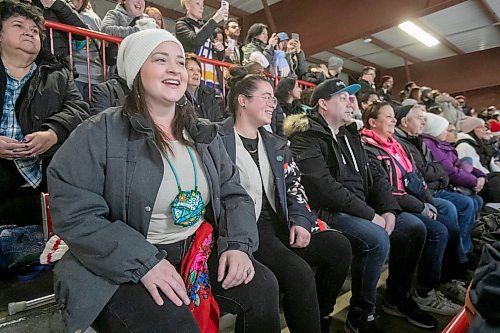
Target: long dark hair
285, 86
255, 30
241, 83
135, 104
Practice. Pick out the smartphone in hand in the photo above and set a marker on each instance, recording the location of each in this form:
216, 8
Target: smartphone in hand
295, 36
231, 43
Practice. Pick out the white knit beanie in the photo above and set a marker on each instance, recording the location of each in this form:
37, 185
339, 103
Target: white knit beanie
136, 48
468, 124
435, 125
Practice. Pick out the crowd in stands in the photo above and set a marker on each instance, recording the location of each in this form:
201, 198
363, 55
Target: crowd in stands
184, 189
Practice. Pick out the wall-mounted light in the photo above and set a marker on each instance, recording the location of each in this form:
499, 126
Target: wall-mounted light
416, 32
367, 40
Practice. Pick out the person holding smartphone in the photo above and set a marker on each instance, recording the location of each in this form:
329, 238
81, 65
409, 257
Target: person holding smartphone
296, 57
195, 35
232, 30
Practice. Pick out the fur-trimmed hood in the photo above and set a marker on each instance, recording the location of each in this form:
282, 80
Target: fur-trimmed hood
300, 123
296, 124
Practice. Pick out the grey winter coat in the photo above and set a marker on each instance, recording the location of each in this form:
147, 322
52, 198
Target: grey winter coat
103, 184
117, 21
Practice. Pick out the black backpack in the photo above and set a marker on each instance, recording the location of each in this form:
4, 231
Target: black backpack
485, 231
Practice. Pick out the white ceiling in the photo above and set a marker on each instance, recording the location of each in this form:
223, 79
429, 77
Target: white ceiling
466, 26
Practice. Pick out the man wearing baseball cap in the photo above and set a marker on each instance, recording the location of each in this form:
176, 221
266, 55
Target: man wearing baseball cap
355, 199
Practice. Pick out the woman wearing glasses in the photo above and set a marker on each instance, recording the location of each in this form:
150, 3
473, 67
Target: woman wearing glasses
290, 241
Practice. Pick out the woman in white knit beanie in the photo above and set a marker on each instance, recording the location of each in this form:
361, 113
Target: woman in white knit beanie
435, 125
130, 191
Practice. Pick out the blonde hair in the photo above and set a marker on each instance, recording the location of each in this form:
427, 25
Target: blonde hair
156, 11
184, 3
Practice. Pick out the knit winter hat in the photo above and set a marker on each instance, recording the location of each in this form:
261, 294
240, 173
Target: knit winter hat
468, 124
335, 62
136, 48
401, 112
435, 125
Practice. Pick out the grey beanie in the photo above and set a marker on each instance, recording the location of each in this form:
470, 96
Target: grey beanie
335, 62
136, 48
434, 124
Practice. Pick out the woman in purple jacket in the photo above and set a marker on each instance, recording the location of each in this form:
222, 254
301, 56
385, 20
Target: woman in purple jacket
463, 176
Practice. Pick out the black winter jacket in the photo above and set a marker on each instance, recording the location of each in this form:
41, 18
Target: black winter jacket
207, 105
433, 173
61, 12
49, 100
109, 94
192, 40
312, 146
384, 161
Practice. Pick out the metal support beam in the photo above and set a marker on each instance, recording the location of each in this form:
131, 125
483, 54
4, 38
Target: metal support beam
394, 50
349, 56
333, 22
269, 16
489, 12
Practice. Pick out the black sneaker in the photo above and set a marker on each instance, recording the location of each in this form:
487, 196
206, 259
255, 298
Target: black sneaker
408, 308
363, 325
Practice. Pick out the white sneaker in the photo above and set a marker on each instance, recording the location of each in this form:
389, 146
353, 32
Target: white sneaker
455, 290
435, 302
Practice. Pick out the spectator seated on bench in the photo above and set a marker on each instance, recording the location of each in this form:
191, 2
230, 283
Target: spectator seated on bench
41, 106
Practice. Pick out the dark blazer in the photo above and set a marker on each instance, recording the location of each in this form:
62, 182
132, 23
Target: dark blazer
290, 204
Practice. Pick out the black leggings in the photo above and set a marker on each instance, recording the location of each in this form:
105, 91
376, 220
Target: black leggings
307, 296
132, 309
18, 205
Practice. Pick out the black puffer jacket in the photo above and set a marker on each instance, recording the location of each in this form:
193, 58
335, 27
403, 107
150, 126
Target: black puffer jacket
49, 100
109, 94
61, 12
206, 104
323, 171
434, 174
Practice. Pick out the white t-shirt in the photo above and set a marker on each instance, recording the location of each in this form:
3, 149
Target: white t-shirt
162, 229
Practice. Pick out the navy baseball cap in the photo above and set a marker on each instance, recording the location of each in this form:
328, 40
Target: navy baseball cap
328, 88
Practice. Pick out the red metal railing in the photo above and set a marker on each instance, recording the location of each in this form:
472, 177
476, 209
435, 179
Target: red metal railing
459, 323
105, 38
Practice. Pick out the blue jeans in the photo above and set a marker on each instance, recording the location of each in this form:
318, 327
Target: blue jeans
431, 261
468, 208
370, 246
407, 244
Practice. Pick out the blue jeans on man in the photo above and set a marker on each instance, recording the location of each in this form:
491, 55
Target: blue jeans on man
370, 247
